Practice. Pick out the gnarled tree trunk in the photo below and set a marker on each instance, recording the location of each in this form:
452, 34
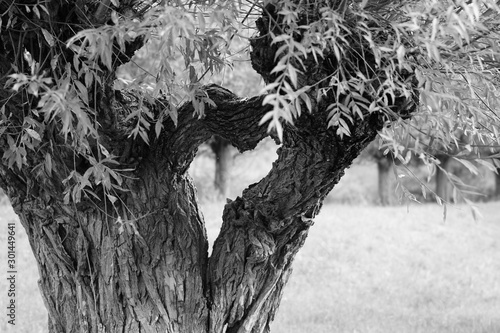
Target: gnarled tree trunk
139, 270
138, 261
143, 267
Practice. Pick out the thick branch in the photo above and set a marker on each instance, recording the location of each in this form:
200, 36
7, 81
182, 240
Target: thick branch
234, 119
264, 228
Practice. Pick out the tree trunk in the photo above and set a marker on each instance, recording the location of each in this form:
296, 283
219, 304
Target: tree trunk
135, 259
497, 184
385, 188
442, 183
223, 162
141, 266
141, 269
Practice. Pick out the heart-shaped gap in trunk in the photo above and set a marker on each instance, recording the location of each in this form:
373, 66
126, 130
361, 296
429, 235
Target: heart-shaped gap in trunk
220, 172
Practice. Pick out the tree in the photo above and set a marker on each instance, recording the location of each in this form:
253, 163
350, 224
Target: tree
98, 175
497, 185
442, 184
240, 79
223, 160
386, 187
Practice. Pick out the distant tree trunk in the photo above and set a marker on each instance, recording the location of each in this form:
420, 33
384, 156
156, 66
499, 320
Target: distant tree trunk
497, 184
385, 188
223, 162
442, 182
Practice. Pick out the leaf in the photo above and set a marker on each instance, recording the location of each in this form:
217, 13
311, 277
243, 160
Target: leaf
307, 100
281, 38
266, 117
88, 79
424, 191
48, 164
278, 68
158, 126
104, 151
487, 164
82, 91
471, 167
444, 213
201, 22
279, 128
172, 112
344, 126
48, 37
34, 134
144, 136
192, 75
112, 198
36, 11
476, 214
44, 9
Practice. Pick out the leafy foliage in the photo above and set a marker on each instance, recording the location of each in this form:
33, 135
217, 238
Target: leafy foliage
443, 52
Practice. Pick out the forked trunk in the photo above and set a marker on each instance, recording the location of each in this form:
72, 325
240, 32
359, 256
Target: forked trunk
143, 266
135, 259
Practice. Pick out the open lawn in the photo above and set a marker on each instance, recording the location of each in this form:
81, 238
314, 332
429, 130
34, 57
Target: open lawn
363, 269
372, 269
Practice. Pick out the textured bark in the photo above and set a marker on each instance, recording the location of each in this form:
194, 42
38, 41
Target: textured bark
263, 229
141, 272
385, 183
141, 264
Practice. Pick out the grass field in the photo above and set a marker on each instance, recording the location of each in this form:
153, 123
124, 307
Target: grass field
372, 269
363, 269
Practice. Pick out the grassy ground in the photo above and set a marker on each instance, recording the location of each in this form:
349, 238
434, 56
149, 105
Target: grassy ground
363, 269
372, 269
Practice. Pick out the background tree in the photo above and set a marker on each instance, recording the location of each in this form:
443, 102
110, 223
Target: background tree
497, 181
96, 169
386, 185
223, 161
242, 80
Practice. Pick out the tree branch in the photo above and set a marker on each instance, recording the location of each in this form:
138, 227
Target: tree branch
264, 228
233, 118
